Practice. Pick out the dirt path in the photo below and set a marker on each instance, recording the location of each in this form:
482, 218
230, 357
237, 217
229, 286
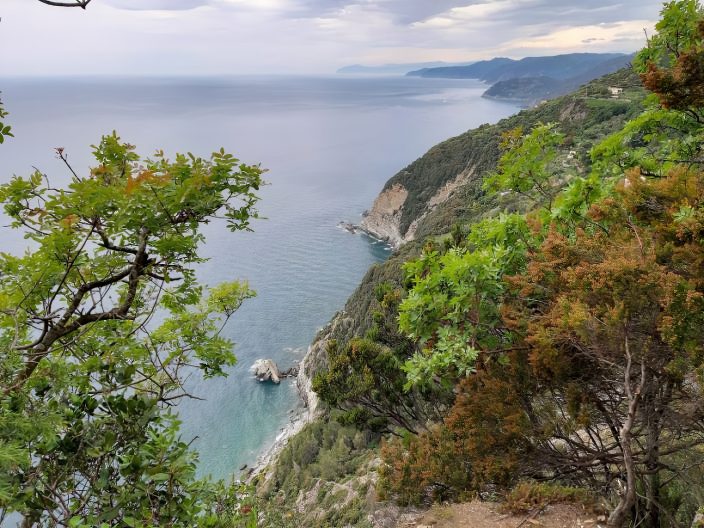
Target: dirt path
488, 515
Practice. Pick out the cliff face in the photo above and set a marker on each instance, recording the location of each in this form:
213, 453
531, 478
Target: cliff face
383, 220
314, 360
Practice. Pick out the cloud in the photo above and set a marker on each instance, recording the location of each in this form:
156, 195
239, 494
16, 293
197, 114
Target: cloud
305, 36
185, 5
574, 38
400, 11
149, 5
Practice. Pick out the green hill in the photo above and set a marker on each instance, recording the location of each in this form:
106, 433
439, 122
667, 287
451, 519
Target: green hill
559, 67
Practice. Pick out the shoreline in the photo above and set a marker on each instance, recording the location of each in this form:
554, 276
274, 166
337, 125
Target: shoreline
299, 419
305, 411
359, 229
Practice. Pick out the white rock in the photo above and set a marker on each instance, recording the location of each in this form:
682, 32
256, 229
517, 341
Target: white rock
266, 370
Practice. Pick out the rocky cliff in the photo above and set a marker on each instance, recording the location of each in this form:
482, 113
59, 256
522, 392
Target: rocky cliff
383, 220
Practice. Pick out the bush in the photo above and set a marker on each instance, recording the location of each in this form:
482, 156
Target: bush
529, 496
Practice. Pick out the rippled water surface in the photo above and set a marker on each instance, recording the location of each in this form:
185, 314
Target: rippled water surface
329, 145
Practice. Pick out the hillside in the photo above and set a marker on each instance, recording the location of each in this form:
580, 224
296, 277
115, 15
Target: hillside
537, 337
525, 89
452, 171
531, 90
441, 189
560, 67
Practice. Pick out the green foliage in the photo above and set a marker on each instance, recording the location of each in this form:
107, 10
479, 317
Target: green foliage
573, 203
365, 375
332, 458
527, 165
87, 374
452, 305
654, 142
364, 378
676, 31
5, 130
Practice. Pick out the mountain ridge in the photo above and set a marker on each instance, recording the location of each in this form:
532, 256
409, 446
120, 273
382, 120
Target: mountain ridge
532, 90
561, 67
395, 68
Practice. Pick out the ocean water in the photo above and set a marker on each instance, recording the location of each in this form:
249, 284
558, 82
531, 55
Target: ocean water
329, 145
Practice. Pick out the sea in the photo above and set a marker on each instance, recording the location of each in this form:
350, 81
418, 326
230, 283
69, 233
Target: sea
328, 143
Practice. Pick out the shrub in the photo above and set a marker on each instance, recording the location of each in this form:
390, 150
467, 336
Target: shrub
529, 496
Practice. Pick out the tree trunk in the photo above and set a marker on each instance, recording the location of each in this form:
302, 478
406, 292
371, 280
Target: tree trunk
652, 461
628, 499
659, 396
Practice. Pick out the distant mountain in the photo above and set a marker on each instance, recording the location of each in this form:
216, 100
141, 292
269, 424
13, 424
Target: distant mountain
394, 69
527, 89
534, 89
559, 67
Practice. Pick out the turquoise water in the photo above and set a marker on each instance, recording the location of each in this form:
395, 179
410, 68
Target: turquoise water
329, 144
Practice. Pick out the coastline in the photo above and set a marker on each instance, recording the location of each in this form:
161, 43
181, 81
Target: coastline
360, 229
306, 411
300, 418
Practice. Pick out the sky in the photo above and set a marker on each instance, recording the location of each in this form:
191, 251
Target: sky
215, 37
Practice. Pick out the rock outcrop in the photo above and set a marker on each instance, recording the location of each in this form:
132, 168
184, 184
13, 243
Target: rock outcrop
384, 218
314, 360
267, 370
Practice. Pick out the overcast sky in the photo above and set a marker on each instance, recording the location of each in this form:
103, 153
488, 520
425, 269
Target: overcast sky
304, 36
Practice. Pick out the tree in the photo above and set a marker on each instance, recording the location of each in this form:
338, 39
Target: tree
100, 320
612, 324
673, 63
451, 309
601, 385
527, 165
364, 377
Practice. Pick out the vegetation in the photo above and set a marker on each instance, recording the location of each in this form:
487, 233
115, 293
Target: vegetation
543, 342
584, 117
323, 476
364, 378
576, 339
5, 130
88, 372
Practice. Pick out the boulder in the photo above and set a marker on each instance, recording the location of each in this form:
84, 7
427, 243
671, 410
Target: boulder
266, 370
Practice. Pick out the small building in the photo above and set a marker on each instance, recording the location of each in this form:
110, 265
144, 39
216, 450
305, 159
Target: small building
615, 91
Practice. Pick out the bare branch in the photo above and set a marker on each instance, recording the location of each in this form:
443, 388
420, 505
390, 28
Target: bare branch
133, 274
78, 3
